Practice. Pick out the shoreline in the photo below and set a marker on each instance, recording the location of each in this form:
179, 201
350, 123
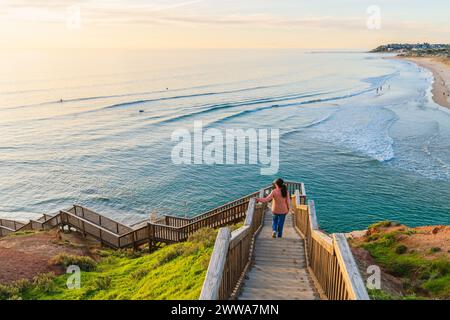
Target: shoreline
441, 73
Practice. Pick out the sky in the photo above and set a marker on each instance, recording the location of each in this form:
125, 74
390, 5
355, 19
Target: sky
340, 24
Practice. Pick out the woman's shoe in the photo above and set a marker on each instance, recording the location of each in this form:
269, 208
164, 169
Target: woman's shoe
274, 234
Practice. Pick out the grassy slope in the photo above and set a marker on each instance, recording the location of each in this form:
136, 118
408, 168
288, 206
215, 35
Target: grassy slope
422, 277
172, 272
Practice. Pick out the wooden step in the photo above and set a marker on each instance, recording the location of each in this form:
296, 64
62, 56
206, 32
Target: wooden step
258, 282
278, 253
269, 294
279, 262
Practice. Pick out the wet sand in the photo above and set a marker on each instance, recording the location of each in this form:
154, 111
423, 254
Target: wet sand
441, 72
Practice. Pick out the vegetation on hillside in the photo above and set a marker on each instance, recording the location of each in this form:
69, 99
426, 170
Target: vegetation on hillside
173, 272
424, 273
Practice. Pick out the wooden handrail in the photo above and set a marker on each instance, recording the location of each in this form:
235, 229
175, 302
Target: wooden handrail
90, 223
350, 272
290, 184
213, 211
329, 258
5, 231
231, 256
11, 224
101, 220
214, 275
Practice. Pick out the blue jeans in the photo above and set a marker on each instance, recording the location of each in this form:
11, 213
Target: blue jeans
278, 223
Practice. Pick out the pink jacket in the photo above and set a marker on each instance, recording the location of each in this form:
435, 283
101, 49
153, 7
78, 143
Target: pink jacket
280, 205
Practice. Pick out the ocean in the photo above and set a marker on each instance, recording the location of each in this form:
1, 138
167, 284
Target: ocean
364, 156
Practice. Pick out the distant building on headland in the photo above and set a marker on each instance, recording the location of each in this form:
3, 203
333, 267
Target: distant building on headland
398, 47
418, 49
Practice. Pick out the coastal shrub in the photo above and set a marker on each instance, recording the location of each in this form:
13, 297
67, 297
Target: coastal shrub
14, 290
205, 237
388, 239
377, 294
103, 282
7, 292
170, 254
139, 274
44, 282
109, 259
85, 263
401, 249
441, 265
439, 287
373, 237
103, 253
190, 248
127, 253
403, 268
381, 224
22, 285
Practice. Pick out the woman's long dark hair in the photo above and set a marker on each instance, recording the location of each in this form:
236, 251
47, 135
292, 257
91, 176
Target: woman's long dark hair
280, 183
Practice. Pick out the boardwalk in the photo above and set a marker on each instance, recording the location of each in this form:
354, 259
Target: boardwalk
279, 268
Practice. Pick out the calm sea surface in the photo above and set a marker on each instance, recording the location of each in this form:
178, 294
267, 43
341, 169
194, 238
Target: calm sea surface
364, 156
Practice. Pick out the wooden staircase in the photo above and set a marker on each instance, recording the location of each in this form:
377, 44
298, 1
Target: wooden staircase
278, 269
307, 263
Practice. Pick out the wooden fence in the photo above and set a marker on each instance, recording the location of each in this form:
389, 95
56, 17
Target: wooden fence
329, 258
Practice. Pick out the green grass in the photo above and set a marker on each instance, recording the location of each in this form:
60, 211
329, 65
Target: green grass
422, 277
172, 272
22, 233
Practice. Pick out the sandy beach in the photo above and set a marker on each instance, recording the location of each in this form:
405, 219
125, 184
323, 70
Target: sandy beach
441, 72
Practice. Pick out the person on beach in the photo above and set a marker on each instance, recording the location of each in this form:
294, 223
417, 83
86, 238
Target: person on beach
280, 206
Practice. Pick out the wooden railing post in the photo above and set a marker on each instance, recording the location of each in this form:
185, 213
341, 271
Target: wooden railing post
150, 235
250, 212
213, 279
312, 215
303, 194
261, 193
297, 197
